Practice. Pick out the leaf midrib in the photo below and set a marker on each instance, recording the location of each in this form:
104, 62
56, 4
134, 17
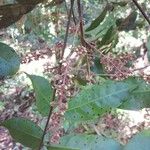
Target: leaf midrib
39, 92
27, 133
97, 99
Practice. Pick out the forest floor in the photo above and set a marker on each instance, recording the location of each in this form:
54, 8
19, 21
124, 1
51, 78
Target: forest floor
17, 100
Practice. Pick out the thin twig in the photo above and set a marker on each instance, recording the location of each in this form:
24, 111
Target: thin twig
137, 69
66, 7
60, 65
74, 17
73, 43
67, 29
88, 66
94, 48
96, 129
142, 11
81, 22
82, 34
49, 116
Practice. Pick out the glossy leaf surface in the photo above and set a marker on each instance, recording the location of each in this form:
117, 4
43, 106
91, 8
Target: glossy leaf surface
60, 148
95, 23
9, 61
95, 100
139, 98
24, 131
90, 142
97, 66
141, 141
43, 93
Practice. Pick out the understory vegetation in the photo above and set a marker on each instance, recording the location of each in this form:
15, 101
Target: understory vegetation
74, 74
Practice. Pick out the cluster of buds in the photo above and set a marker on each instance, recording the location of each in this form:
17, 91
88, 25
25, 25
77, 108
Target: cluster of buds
57, 49
117, 67
74, 29
35, 55
111, 122
56, 136
80, 50
63, 83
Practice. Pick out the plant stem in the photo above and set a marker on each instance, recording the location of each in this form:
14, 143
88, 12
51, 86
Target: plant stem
81, 22
67, 29
60, 65
142, 11
82, 35
49, 116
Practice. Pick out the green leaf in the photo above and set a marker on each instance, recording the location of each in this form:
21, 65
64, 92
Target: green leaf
101, 30
59, 148
122, 3
109, 22
132, 104
24, 131
2, 105
77, 79
95, 100
9, 61
141, 141
148, 47
128, 23
43, 93
115, 40
139, 98
97, 67
98, 20
90, 142
108, 37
